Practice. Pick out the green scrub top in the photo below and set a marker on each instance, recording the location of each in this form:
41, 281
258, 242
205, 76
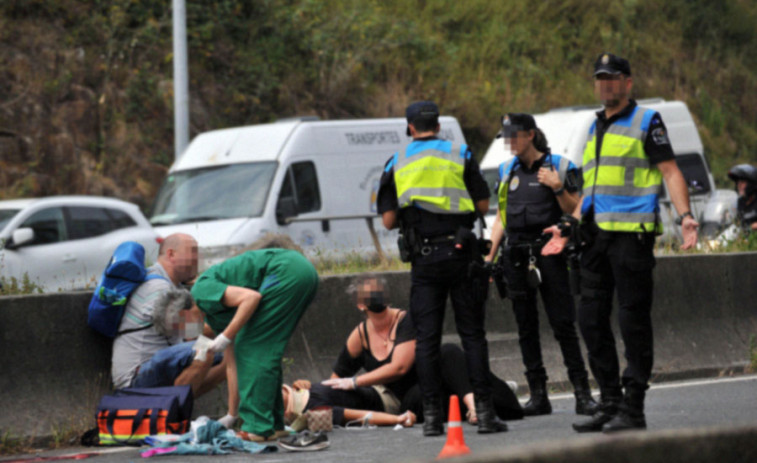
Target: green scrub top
254, 270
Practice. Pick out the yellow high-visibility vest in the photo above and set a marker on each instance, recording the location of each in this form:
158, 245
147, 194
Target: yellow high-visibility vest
429, 174
623, 185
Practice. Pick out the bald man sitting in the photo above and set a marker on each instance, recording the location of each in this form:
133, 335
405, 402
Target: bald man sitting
154, 344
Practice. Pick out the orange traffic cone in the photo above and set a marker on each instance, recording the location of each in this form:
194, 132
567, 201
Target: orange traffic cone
455, 445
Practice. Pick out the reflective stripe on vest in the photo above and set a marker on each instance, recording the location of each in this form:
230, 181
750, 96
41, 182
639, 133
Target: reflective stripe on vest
429, 175
506, 169
626, 195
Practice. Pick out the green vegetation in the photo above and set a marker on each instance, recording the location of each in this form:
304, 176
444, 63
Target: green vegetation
10, 444
86, 86
752, 354
355, 262
12, 286
742, 243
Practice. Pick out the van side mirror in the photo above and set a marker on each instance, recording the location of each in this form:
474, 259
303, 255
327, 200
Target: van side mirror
285, 208
20, 237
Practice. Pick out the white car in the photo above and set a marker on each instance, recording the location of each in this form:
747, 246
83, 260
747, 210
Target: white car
65, 242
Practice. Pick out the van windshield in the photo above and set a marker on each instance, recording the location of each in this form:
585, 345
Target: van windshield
213, 193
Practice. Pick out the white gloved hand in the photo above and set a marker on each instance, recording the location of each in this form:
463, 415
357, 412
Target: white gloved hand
201, 347
345, 384
220, 343
228, 421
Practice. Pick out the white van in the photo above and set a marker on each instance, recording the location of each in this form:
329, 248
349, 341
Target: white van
566, 129
315, 181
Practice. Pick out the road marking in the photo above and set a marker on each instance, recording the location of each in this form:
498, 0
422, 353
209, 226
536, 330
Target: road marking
700, 382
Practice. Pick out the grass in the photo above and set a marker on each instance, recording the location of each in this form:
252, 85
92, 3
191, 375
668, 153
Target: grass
743, 243
13, 286
10, 444
355, 262
752, 367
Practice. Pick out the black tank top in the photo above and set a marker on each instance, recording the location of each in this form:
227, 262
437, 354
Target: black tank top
347, 366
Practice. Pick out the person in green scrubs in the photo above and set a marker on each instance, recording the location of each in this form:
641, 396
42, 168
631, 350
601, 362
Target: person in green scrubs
253, 302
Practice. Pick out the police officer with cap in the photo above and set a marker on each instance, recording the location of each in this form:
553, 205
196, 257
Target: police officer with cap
433, 190
626, 158
535, 188
745, 177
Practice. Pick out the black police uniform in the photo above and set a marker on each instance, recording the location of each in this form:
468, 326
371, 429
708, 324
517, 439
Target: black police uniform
532, 207
443, 271
622, 261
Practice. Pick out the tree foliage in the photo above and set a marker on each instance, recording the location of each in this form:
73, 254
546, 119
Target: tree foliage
86, 90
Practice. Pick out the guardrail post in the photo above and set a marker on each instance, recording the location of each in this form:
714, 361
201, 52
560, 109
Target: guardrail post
374, 237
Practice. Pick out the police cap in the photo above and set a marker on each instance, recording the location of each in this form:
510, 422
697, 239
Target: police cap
421, 110
607, 63
516, 122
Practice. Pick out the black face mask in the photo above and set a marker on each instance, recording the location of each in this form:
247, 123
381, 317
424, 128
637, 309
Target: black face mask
375, 303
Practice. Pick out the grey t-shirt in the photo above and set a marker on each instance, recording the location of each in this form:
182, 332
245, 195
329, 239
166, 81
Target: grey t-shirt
133, 349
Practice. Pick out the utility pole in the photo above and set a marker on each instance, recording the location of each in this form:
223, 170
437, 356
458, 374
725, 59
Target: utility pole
180, 78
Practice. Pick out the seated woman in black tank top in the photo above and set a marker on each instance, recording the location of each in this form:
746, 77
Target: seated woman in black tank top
384, 346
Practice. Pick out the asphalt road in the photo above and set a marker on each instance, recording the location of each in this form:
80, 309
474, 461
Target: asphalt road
717, 402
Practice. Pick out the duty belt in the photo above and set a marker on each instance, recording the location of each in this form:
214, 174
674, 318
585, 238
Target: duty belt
428, 243
533, 243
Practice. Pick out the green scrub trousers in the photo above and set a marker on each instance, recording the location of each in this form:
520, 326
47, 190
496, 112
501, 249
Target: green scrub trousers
287, 282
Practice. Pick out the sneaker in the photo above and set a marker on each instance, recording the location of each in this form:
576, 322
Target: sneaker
305, 441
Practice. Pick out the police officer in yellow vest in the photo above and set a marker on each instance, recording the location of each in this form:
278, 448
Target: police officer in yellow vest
535, 188
626, 158
432, 190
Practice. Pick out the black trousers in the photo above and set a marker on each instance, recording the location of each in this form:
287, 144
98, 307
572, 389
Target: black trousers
622, 262
432, 282
362, 398
558, 304
455, 381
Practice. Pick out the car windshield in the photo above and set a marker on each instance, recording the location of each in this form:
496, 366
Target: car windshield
492, 179
213, 193
6, 215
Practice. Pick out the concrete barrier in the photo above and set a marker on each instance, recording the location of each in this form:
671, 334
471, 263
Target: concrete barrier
53, 368
705, 445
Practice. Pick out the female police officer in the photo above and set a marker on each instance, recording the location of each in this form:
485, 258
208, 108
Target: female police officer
535, 188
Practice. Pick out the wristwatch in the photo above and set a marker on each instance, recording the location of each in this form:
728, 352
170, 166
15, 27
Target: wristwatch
559, 191
679, 220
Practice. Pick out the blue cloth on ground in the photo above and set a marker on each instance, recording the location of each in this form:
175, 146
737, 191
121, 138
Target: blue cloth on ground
208, 438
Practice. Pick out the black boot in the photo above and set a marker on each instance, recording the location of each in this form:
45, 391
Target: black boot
433, 422
538, 404
630, 413
488, 422
585, 403
625, 421
607, 411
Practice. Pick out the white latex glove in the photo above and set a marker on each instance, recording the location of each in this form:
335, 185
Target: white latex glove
228, 421
201, 347
345, 384
220, 343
